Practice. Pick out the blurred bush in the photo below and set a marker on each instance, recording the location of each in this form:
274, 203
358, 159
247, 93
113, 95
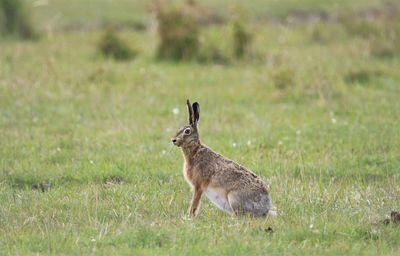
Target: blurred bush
362, 76
241, 34
178, 30
209, 53
111, 46
358, 26
16, 20
381, 29
387, 45
283, 78
324, 33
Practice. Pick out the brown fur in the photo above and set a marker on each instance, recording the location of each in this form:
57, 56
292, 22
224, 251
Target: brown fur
229, 185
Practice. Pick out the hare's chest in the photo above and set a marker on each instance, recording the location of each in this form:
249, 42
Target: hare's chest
188, 174
194, 176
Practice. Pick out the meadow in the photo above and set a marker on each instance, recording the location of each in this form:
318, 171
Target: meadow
86, 162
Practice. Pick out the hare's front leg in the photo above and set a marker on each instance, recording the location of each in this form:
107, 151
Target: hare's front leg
197, 192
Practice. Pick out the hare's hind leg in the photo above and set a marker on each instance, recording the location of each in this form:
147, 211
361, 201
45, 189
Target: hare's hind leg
256, 204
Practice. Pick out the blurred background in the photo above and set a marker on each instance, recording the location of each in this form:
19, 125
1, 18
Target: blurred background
205, 31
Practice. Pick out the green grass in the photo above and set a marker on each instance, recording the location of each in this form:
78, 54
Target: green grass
98, 132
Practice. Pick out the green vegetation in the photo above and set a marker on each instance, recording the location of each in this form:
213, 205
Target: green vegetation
178, 30
86, 165
241, 34
16, 20
110, 45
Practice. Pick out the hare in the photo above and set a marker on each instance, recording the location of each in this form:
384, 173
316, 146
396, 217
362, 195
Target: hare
228, 185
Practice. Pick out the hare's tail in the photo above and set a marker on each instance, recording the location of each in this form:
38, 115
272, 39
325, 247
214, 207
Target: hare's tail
273, 211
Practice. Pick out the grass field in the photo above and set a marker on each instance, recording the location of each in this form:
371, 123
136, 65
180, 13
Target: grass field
87, 167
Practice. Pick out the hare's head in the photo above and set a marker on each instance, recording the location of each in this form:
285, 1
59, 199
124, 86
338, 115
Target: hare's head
189, 134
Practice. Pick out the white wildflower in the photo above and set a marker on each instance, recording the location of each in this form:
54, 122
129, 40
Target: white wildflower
175, 111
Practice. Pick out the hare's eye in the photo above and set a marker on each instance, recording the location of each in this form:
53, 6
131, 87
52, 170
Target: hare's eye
187, 131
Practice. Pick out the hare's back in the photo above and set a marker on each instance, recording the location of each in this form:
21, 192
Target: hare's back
234, 176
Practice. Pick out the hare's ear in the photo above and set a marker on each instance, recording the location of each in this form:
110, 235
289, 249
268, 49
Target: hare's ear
196, 112
190, 112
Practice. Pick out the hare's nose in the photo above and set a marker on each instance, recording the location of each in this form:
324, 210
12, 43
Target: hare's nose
173, 140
